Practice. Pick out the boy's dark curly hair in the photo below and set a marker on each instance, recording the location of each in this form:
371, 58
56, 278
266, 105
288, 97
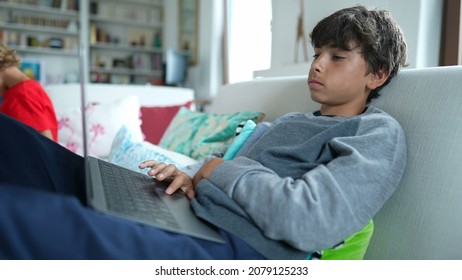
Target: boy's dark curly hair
379, 36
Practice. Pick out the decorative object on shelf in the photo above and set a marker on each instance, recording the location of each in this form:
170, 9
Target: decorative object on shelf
189, 28
56, 43
157, 40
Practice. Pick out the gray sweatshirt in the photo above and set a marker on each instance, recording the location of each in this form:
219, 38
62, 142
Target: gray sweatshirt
305, 182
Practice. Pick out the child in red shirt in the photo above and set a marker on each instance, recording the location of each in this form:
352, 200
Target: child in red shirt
25, 99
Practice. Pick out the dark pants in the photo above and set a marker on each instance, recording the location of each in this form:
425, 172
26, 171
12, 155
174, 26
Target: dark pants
43, 212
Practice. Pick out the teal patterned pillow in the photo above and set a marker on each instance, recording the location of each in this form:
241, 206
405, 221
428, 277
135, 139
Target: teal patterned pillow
198, 134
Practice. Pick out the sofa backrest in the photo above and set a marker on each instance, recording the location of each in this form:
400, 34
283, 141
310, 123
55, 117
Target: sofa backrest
272, 96
66, 96
423, 218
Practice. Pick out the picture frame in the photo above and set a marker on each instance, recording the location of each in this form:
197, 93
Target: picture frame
188, 15
34, 68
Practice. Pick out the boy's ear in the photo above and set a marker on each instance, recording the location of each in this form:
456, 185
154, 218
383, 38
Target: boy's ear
377, 79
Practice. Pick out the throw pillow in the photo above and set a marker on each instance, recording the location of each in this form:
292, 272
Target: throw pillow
353, 247
126, 151
155, 120
240, 139
103, 122
198, 134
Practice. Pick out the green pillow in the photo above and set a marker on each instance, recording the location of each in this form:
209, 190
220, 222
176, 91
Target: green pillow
352, 248
198, 134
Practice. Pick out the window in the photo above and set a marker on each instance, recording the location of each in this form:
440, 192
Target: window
248, 38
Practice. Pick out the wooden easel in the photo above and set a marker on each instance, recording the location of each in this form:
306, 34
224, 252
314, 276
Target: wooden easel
301, 35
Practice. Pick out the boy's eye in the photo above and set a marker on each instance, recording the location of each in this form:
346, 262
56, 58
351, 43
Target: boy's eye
315, 56
337, 57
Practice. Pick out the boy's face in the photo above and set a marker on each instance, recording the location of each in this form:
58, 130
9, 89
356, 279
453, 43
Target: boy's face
338, 80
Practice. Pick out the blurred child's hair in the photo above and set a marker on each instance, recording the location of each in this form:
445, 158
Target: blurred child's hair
8, 57
380, 38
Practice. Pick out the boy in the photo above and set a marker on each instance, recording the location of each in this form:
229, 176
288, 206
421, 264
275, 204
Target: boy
300, 184
24, 99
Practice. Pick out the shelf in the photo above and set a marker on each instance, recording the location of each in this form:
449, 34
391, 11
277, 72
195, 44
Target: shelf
40, 9
135, 25
38, 29
132, 2
103, 19
127, 71
113, 47
48, 51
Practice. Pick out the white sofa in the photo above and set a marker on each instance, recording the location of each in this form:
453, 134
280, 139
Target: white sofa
423, 219
137, 107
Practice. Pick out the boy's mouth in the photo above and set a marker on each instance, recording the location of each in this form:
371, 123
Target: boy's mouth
314, 84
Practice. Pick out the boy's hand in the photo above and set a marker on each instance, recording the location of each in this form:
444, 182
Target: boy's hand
206, 169
170, 173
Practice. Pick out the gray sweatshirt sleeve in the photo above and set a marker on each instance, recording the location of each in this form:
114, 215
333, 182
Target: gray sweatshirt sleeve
329, 202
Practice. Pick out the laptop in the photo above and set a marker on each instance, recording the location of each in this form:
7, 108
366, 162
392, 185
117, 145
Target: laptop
135, 196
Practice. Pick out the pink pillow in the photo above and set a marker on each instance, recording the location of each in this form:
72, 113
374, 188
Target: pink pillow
155, 120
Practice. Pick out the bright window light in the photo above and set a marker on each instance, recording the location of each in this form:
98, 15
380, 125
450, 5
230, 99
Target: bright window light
249, 38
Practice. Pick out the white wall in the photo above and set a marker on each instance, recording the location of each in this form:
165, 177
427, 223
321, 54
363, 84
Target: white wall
170, 34
419, 19
207, 75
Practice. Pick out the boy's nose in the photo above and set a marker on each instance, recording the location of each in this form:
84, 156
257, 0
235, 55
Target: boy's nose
316, 65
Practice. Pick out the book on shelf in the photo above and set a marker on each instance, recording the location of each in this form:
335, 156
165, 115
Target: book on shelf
66, 4
156, 62
120, 79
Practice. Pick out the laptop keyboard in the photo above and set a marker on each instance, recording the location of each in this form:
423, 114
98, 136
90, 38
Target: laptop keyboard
133, 193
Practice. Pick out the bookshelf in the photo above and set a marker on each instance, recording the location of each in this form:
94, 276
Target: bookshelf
122, 38
125, 41
33, 27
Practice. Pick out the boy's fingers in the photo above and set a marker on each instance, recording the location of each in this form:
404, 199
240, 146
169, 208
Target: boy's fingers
174, 185
189, 191
163, 171
147, 163
182, 184
156, 169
